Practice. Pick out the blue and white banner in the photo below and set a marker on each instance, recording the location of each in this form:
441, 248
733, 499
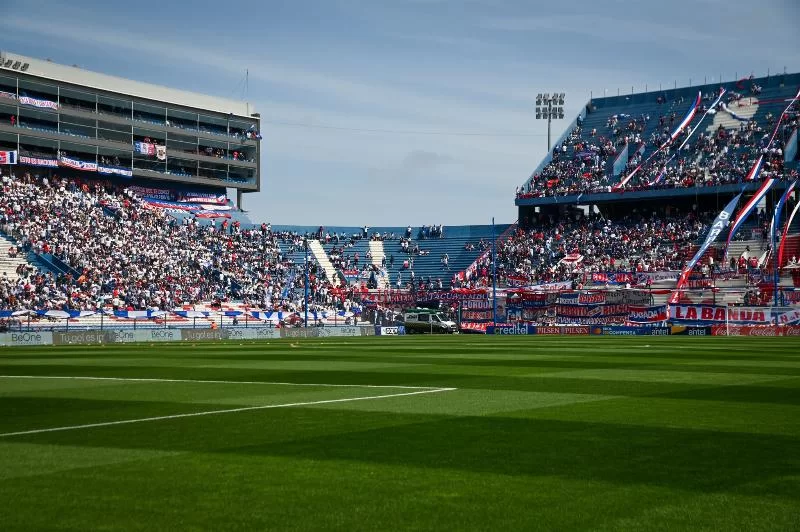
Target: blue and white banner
8, 157
647, 314
748, 208
38, 161
10, 95
787, 316
734, 115
114, 170
192, 313
621, 161
64, 314
717, 227
36, 102
785, 234
776, 216
139, 314
77, 164
790, 151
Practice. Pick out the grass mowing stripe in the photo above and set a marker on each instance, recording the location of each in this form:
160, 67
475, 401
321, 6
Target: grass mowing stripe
225, 411
208, 381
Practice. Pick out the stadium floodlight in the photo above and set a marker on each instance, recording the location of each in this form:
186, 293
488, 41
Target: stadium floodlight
549, 108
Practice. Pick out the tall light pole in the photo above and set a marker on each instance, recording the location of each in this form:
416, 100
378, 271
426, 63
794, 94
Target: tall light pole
305, 289
494, 277
548, 108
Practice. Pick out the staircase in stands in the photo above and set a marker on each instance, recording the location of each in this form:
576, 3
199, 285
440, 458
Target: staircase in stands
8, 264
315, 246
376, 250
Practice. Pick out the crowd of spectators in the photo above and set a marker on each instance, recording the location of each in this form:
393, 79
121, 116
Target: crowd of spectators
556, 250
119, 252
581, 164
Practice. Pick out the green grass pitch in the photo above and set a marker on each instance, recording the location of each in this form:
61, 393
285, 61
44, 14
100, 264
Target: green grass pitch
418, 433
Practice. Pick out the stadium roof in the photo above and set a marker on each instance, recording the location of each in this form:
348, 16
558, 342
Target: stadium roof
138, 89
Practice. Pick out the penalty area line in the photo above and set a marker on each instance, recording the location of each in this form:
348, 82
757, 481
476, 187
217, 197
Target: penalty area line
217, 412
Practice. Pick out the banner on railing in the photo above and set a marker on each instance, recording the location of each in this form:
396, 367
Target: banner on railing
202, 197
114, 170
161, 153
649, 314
144, 148
77, 164
38, 161
211, 214
613, 277
36, 102
152, 193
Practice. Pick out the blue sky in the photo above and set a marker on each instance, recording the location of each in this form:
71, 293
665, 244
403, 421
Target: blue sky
406, 111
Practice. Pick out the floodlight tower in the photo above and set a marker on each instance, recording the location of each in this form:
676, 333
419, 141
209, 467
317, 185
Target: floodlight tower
548, 108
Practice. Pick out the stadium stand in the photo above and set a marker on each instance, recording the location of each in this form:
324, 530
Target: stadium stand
120, 251
721, 151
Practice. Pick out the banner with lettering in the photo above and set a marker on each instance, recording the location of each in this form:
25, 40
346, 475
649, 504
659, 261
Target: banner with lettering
114, 170
152, 193
38, 161
36, 102
648, 314
710, 314
717, 226
203, 197
613, 277
77, 164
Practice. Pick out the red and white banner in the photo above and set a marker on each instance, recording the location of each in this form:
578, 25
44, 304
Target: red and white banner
710, 314
211, 214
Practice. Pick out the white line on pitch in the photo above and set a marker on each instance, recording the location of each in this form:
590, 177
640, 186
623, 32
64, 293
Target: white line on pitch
134, 379
226, 411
